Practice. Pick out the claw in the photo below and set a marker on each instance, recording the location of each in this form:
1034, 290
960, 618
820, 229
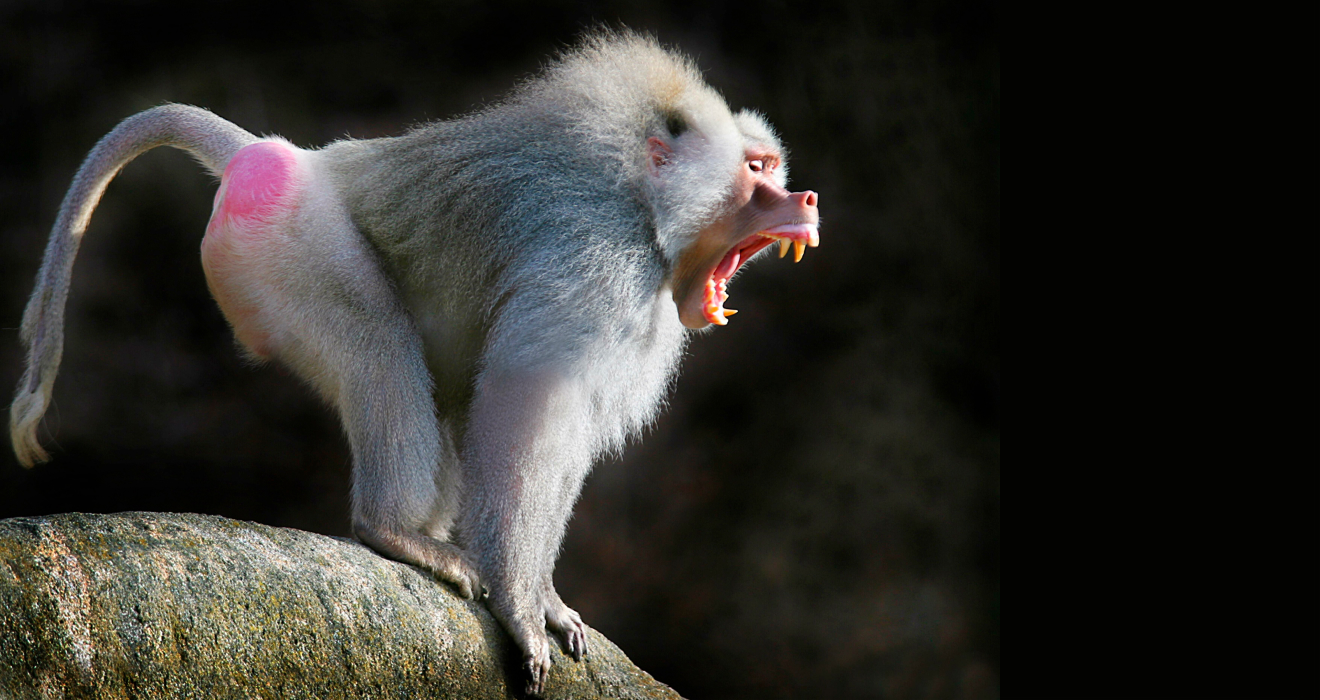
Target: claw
536, 675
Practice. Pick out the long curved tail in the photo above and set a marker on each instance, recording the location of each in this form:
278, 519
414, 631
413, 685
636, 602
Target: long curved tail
210, 139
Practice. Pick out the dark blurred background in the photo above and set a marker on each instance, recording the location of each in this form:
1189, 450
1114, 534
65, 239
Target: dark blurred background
817, 515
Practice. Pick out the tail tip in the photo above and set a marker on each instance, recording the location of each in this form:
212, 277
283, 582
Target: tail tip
24, 417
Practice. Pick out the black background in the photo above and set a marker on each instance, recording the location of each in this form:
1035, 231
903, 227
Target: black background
816, 515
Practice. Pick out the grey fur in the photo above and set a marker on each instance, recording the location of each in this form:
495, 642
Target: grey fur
488, 303
210, 139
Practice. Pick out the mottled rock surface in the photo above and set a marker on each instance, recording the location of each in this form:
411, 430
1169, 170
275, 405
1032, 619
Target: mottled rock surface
161, 605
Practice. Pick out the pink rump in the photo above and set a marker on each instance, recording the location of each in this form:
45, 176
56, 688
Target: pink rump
257, 181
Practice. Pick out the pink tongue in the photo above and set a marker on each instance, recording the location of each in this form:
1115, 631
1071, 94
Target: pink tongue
727, 266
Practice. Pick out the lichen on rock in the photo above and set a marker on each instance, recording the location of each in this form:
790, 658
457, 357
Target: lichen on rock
163, 605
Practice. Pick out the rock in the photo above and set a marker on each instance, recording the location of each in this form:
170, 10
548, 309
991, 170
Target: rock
162, 605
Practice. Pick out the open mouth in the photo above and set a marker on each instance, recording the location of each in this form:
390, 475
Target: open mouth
797, 236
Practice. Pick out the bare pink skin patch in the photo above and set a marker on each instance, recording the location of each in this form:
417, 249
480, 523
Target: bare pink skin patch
246, 236
256, 182
762, 212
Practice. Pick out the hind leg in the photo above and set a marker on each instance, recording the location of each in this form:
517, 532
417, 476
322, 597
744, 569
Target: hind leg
299, 284
404, 491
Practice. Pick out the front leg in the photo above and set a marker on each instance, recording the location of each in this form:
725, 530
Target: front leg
564, 621
528, 434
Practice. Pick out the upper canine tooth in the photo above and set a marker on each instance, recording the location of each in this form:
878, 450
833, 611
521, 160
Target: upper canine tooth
783, 247
799, 248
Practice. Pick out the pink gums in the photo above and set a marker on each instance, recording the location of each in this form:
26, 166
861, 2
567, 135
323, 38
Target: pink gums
716, 292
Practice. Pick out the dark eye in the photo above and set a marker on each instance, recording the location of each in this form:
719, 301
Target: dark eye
756, 165
675, 124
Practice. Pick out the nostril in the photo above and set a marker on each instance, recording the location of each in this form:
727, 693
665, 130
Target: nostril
811, 199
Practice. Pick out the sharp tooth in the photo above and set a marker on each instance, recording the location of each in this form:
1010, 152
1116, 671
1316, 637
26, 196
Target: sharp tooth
783, 247
730, 312
799, 248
